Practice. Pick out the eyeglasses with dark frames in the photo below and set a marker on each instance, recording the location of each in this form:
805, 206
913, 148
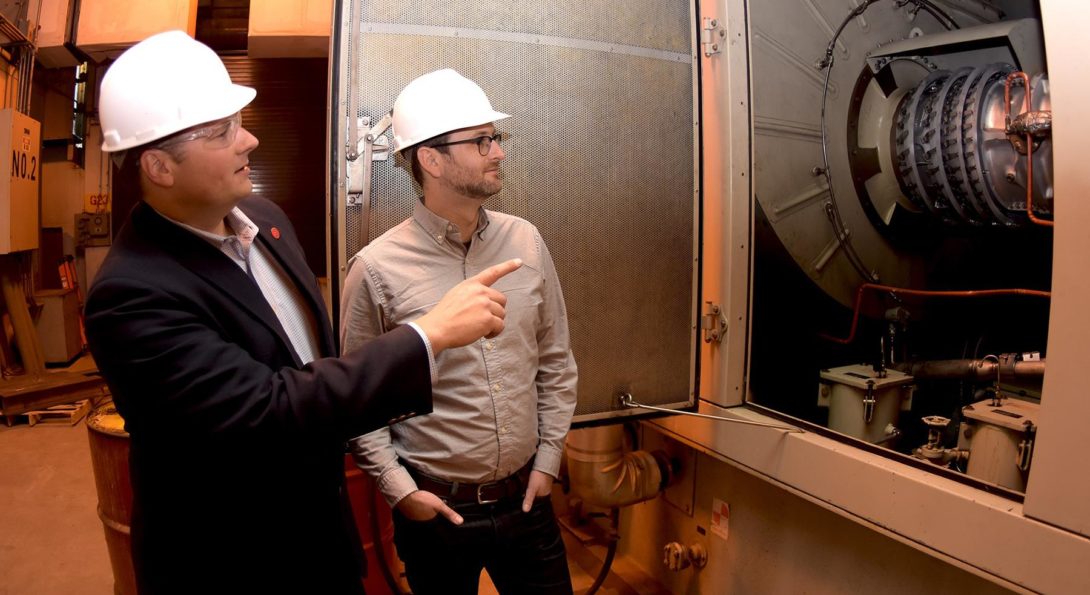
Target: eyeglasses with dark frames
484, 143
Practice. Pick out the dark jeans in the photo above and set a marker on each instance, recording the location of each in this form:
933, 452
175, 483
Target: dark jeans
522, 551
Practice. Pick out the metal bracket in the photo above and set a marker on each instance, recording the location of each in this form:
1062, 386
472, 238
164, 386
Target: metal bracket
375, 148
373, 138
711, 34
713, 323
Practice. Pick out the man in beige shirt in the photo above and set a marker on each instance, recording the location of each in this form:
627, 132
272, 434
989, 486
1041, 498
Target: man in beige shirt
470, 483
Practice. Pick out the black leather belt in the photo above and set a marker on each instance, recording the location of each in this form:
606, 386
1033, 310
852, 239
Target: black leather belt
454, 493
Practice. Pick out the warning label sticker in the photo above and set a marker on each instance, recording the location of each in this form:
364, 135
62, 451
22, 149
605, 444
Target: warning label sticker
720, 518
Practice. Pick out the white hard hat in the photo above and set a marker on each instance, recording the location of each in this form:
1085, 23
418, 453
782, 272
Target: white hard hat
437, 103
164, 84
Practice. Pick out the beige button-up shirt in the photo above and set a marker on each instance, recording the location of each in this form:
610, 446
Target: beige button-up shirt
497, 402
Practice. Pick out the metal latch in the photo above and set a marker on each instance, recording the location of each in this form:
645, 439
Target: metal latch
869, 402
375, 137
710, 35
1025, 447
375, 148
713, 323
627, 402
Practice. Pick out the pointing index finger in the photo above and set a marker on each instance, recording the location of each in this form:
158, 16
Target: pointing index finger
495, 272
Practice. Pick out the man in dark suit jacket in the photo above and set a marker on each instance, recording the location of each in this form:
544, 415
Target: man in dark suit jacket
214, 339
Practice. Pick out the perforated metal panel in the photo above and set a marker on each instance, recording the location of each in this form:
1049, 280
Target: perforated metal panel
600, 159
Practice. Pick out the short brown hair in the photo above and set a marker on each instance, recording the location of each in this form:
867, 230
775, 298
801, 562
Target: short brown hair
412, 156
128, 170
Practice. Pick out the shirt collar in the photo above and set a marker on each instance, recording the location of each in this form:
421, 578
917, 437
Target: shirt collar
439, 229
244, 229
239, 242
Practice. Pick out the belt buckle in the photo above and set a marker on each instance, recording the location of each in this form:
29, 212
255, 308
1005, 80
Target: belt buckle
481, 500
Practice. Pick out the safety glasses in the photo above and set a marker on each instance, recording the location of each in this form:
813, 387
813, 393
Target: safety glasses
217, 135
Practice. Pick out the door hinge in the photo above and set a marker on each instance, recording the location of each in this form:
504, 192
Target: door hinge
711, 35
713, 323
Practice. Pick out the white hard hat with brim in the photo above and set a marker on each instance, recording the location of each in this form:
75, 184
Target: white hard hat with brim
165, 84
437, 103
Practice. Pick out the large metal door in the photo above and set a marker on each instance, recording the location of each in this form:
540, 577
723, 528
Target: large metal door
602, 159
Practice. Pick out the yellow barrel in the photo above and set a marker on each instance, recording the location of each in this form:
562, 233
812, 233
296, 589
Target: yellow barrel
110, 459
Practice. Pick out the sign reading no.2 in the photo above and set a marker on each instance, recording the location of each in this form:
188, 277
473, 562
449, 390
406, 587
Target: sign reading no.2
24, 166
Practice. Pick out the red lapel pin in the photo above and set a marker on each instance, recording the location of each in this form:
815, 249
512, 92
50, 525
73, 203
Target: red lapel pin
275, 233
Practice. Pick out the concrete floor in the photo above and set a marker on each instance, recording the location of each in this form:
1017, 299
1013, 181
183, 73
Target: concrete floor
52, 542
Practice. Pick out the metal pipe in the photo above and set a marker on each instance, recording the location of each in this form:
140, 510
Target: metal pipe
604, 474
936, 12
892, 435
611, 551
354, 78
972, 369
1028, 105
898, 291
1029, 184
627, 401
1026, 101
978, 9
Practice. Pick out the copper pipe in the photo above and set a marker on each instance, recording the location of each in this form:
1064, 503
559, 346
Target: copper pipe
1029, 185
1028, 105
1007, 93
923, 293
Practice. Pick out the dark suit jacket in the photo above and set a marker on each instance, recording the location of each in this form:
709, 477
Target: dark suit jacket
236, 447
